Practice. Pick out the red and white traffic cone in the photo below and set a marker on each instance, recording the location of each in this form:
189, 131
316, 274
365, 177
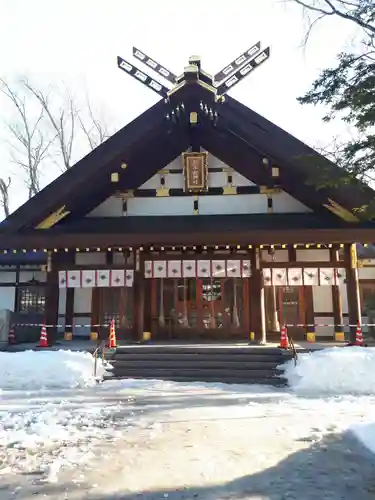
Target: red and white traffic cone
112, 336
43, 341
11, 336
358, 335
284, 343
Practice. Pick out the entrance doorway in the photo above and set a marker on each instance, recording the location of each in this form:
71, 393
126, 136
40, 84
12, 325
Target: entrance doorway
204, 309
113, 303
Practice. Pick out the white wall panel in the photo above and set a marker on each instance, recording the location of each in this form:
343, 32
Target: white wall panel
344, 298
111, 207
284, 203
82, 300
239, 204
313, 255
279, 256
62, 300
161, 206
366, 273
322, 299
29, 275
90, 258
7, 297
7, 276
324, 331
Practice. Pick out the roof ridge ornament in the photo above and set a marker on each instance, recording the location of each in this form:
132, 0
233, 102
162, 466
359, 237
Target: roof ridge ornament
220, 83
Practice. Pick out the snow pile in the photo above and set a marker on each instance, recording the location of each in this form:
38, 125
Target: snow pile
365, 432
339, 370
48, 369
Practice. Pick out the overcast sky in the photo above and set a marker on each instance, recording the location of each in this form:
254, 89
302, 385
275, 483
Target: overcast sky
77, 41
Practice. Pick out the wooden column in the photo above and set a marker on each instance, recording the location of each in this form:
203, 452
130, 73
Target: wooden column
352, 287
139, 296
65, 260
309, 311
336, 297
257, 309
52, 297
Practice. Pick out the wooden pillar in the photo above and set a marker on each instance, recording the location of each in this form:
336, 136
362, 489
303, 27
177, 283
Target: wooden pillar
139, 296
336, 298
257, 305
52, 297
352, 287
309, 312
65, 260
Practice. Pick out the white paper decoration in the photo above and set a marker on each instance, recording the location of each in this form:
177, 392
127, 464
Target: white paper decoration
174, 269
189, 268
204, 268
279, 277
340, 275
327, 276
311, 276
267, 277
160, 269
148, 269
102, 277
62, 279
218, 268
88, 278
129, 277
295, 276
233, 268
74, 279
117, 277
245, 269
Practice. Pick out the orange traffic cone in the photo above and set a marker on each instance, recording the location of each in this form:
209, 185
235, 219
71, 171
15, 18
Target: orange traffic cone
358, 335
11, 336
112, 336
284, 344
43, 342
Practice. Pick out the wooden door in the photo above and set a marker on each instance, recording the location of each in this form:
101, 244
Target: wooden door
291, 308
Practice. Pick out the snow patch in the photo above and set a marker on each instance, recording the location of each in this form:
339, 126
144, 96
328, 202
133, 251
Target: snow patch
34, 370
365, 433
338, 370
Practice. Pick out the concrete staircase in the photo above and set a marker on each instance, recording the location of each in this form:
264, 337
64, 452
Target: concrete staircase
228, 364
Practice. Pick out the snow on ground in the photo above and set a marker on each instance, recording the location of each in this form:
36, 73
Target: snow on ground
213, 439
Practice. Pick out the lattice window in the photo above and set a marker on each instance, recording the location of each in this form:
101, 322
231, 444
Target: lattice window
31, 300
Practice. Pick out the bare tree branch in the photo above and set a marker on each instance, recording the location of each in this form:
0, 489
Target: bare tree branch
4, 195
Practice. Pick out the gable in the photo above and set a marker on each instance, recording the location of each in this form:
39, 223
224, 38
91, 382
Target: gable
241, 139
163, 195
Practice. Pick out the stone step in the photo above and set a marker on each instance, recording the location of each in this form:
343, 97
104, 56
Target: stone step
203, 357
192, 372
191, 349
196, 363
276, 381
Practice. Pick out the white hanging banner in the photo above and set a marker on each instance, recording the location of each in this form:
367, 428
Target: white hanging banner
218, 269
295, 276
204, 268
103, 277
117, 277
129, 277
245, 269
148, 269
279, 277
233, 268
189, 268
160, 269
311, 276
88, 278
340, 276
174, 269
62, 279
267, 277
74, 279
327, 276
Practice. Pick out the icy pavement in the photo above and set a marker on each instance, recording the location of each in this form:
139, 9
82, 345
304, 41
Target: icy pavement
154, 440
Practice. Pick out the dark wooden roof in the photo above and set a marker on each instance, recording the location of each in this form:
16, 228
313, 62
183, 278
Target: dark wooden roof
240, 137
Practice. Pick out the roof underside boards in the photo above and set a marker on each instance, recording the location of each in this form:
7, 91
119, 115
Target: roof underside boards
282, 146
242, 138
